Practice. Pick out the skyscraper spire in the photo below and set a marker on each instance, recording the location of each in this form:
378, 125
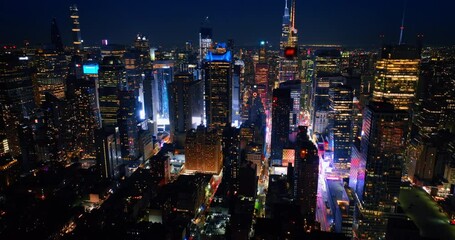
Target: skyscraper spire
292, 39
293, 14
402, 24
285, 26
286, 9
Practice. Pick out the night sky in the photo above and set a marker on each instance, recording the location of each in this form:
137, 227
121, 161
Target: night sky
356, 23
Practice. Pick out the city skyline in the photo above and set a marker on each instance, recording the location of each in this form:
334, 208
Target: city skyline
352, 24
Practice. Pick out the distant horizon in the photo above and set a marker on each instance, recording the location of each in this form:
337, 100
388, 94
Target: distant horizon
353, 23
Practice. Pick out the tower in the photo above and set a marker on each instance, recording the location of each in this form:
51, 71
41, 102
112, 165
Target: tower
285, 26
397, 74
281, 109
289, 68
205, 39
306, 174
76, 30
56, 38
112, 75
218, 84
341, 108
382, 146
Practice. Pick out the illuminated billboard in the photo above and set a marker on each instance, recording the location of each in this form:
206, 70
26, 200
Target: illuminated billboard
288, 157
90, 68
213, 57
290, 52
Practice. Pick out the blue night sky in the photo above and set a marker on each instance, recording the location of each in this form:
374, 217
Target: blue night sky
171, 23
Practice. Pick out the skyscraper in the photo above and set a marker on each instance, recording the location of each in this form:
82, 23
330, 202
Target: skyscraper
16, 97
163, 74
205, 39
127, 124
397, 74
341, 107
51, 73
281, 110
203, 151
111, 76
326, 73
181, 92
382, 146
306, 174
218, 84
289, 67
76, 30
56, 38
84, 101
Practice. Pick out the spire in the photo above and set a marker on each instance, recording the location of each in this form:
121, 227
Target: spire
402, 23
286, 9
292, 40
293, 14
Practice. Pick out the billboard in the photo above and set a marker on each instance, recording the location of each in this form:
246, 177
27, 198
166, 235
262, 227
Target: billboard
90, 68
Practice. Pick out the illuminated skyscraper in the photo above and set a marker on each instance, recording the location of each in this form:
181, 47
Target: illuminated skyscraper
326, 73
261, 79
182, 105
382, 146
289, 66
218, 84
341, 107
163, 74
203, 151
82, 98
76, 30
16, 97
397, 74
285, 26
51, 72
237, 80
205, 39
112, 75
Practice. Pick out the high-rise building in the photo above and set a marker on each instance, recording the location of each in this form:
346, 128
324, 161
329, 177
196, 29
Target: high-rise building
203, 151
285, 26
326, 73
163, 74
306, 174
111, 76
56, 38
237, 79
127, 124
281, 110
261, 79
397, 74
76, 30
218, 86
82, 96
183, 108
294, 118
341, 107
108, 152
289, 66
51, 72
205, 39
16, 97
384, 130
